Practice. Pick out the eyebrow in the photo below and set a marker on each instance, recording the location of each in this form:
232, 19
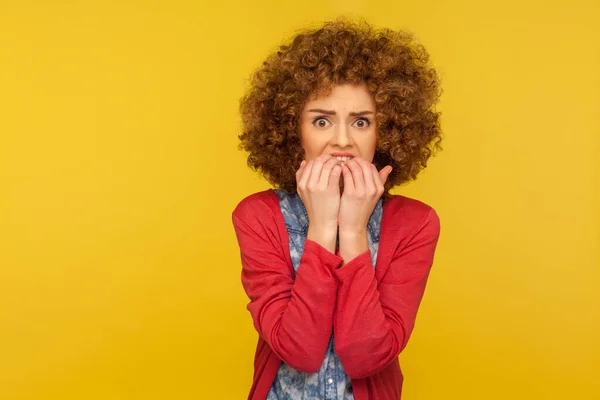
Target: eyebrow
331, 112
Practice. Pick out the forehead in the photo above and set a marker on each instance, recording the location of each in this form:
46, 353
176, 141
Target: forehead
344, 96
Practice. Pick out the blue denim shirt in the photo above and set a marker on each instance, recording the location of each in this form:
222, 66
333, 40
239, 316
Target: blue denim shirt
330, 382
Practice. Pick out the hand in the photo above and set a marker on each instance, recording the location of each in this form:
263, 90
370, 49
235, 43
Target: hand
318, 187
363, 187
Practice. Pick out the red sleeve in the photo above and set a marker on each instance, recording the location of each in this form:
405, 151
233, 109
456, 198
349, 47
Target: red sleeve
294, 316
373, 322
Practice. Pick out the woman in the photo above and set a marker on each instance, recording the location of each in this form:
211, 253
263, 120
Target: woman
335, 267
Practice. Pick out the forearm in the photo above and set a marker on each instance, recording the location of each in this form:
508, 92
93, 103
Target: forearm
374, 318
366, 339
294, 315
299, 323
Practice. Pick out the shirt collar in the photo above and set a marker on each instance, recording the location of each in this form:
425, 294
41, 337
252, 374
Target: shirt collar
292, 203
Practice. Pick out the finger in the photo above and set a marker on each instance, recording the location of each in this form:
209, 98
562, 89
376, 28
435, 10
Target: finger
385, 173
300, 170
305, 174
357, 175
348, 179
367, 172
334, 177
326, 172
315, 173
377, 179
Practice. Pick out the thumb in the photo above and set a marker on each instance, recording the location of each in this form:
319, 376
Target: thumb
384, 173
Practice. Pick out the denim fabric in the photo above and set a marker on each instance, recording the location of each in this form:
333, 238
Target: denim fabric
330, 382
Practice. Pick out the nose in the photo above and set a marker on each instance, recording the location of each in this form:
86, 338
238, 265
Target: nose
342, 138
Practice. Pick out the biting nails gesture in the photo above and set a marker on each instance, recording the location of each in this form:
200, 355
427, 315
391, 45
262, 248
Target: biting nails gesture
363, 187
318, 185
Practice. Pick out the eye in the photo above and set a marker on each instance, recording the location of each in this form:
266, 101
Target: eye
321, 122
362, 123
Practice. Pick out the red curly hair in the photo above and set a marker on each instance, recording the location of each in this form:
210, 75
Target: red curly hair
394, 68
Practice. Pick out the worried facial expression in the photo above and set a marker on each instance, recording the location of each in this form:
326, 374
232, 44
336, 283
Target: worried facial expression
341, 124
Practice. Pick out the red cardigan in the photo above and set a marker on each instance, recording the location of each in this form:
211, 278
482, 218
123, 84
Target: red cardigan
371, 312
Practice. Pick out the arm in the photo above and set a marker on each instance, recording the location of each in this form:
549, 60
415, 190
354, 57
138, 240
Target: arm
373, 323
295, 317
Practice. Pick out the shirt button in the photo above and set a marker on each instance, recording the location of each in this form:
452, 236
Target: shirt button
330, 381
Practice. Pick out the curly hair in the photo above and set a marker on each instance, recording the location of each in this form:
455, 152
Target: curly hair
396, 72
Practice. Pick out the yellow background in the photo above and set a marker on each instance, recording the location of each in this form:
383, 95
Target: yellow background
119, 168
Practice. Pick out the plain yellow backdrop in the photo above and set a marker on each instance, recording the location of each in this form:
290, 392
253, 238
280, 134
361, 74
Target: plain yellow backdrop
119, 169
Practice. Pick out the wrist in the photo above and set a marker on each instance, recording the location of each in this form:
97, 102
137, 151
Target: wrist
324, 234
353, 243
352, 232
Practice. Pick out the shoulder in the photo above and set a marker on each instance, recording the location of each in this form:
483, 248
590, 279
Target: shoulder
256, 205
410, 213
258, 222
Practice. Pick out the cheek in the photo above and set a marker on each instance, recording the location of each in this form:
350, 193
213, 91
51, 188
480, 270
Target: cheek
368, 144
312, 143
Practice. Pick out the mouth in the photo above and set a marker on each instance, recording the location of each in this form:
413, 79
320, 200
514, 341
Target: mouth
342, 158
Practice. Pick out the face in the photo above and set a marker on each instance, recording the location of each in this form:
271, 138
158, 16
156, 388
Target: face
341, 124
